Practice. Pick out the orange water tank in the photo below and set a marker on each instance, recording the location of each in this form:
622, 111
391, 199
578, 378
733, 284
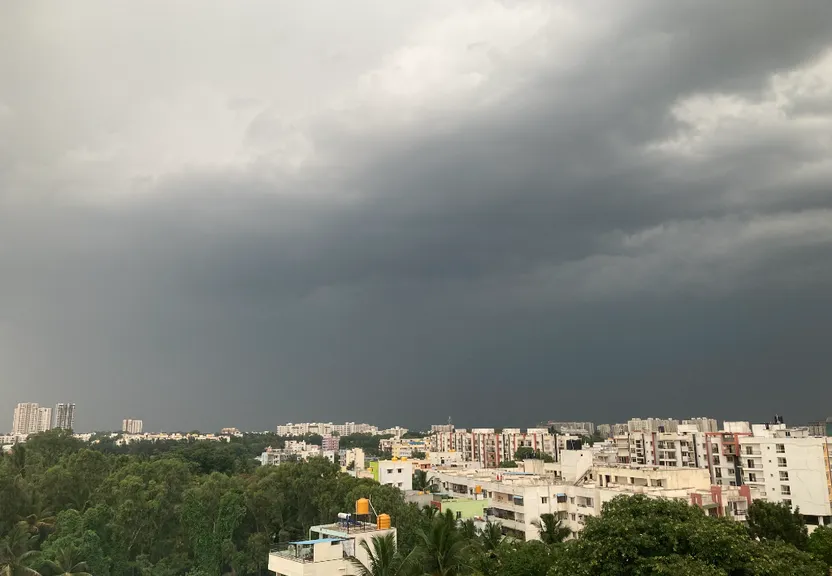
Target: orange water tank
362, 507
383, 522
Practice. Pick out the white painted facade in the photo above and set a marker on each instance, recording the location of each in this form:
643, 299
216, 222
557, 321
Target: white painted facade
779, 467
398, 473
31, 418
132, 426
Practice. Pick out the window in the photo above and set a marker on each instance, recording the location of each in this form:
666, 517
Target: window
785, 490
458, 515
389, 470
781, 462
399, 470
784, 476
572, 500
781, 448
544, 500
752, 477
573, 517
750, 464
749, 450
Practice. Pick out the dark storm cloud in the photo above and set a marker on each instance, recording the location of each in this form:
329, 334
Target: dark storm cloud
587, 210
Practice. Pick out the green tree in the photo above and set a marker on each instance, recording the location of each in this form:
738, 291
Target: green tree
16, 555
820, 544
551, 530
383, 558
67, 563
777, 521
491, 536
442, 548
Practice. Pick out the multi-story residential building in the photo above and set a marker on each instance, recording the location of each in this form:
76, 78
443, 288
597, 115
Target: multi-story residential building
330, 443
577, 428
330, 546
403, 447
230, 432
821, 428
25, 418
293, 451
44, 419
685, 448
604, 430
789, 466
65, 415
723, 454
352, 458
323, 428
31, 418
395, 431
703, 424
490, 447
518, 499
396, 472
652, 425
620, 429
131, 426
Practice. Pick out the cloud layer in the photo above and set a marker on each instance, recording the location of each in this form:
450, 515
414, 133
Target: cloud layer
501, 211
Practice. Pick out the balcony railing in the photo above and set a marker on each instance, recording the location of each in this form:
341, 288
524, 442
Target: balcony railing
294, 552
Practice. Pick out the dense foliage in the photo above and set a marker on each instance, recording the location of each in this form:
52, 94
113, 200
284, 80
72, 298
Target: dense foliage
206, 509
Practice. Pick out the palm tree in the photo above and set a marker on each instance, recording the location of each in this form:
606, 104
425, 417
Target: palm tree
429, 512
15, 554
491, 536
468, 530
67, 564
384, 558
443, 549
551, 530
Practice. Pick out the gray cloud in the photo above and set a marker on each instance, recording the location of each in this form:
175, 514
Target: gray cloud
499, 211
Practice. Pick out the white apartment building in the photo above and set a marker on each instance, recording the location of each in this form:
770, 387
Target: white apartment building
685, 448
581, 428
519, 498
352, 458
490, 447
703, 424
324, 428
652, 425
31, 418
131, 426
398, 473
789, 466
294, 450
65, 415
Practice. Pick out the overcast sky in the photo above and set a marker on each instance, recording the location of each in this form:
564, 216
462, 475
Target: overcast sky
246, 213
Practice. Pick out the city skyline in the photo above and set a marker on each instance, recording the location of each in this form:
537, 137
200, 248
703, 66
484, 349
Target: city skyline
506, 211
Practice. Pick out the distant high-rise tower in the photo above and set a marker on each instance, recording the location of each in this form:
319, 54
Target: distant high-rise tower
30, 418
25, 418
131, 426
65, 415
44, 419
